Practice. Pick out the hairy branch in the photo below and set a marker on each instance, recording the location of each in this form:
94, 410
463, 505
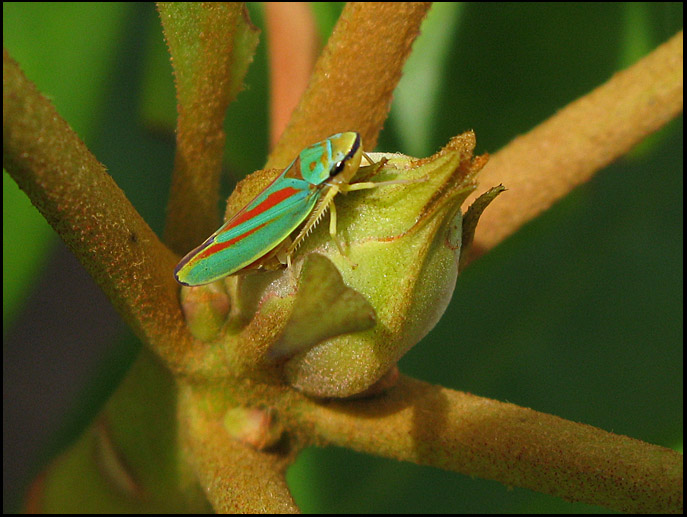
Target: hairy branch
92, 215
548, 162
211, 46
431, 425
354, 78
236, 478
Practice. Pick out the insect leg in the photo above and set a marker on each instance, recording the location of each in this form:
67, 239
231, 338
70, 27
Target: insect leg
332, 227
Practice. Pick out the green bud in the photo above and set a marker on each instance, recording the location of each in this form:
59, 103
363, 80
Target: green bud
324, 307
337, 323
205, 308
404, 245
256, 427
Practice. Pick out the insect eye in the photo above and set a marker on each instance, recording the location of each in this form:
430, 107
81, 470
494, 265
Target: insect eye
337, 168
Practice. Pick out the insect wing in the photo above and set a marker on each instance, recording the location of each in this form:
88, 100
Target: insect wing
254, 231
268, 219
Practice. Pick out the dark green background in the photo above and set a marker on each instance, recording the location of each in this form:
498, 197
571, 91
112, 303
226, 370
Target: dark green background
579, 314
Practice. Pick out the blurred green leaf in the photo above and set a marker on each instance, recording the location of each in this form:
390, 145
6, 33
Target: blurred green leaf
416, 103
26, 240
326, 16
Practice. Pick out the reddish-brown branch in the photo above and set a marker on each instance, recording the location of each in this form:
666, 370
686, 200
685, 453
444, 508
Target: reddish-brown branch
90, 212
548, 162
210, 57
351, 87
431, 425
293, 45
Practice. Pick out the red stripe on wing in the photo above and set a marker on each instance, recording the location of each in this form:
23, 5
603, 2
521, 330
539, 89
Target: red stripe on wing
217, 247
271, 201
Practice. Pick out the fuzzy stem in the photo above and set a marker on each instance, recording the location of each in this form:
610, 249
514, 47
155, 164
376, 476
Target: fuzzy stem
432, 425
211, 45
561, 153
235, 477
84, 205
354, 78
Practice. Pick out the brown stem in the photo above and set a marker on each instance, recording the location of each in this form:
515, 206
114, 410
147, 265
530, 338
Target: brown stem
210, 55
236, 478
431, 425
89, 211
548, 162
351, 87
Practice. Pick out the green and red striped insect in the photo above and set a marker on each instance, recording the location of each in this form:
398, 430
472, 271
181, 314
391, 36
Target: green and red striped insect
304, 190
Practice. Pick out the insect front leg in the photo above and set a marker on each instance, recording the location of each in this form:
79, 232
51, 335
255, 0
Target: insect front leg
364, 185
332, 227
315, 217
